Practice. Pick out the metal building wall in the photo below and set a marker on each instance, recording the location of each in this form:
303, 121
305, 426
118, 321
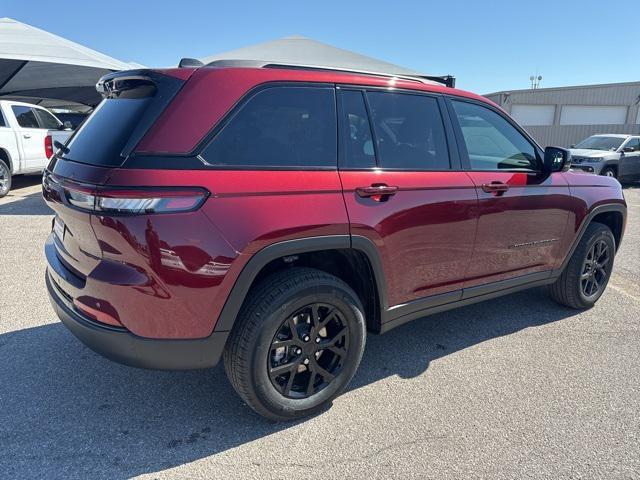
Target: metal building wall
617, 94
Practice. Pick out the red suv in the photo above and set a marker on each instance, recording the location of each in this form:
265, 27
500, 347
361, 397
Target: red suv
272, 215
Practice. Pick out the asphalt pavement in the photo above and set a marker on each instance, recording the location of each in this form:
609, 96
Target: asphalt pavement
517, 387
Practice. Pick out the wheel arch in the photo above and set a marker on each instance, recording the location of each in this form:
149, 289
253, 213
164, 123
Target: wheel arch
354, 259
5, 155
612, 215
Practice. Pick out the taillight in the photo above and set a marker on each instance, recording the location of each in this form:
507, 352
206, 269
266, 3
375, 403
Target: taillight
48, 146
132, 201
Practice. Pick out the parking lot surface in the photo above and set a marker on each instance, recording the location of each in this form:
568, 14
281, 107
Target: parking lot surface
517, 387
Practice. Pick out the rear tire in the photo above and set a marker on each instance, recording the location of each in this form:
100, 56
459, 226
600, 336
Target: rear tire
586, 275
296, 344
5, 178
609, 172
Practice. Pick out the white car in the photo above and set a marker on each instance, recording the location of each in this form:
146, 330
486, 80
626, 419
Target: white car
27, 136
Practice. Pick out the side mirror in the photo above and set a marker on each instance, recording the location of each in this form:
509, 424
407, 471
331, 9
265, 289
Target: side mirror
573, 145
67, 125
556, 159
628, 149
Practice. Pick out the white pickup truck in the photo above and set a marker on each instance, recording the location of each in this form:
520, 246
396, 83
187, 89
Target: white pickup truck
27, 136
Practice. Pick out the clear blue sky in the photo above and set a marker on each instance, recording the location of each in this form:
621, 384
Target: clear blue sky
487, 45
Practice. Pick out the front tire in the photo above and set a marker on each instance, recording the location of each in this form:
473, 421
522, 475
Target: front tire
296, 344
609, 172
586, 275
5, 178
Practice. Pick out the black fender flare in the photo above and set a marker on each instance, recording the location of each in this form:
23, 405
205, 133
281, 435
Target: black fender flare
609, 207
285, 248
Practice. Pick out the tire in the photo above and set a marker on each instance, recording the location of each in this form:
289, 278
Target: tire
569, 289
609, 172
5, 178
266, 318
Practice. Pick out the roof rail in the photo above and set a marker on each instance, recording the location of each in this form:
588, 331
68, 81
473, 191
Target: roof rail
446, 80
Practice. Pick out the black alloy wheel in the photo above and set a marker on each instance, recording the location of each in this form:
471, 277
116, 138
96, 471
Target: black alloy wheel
308, 351
296, 344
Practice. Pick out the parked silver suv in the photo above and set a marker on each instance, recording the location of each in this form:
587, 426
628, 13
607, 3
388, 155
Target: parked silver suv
611, 155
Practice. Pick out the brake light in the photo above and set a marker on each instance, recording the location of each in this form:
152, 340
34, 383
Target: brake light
48, 146
135, 201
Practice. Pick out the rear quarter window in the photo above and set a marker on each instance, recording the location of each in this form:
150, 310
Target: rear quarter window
279, 127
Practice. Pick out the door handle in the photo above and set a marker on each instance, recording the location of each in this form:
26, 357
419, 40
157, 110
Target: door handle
377, 191
26, 135
495, 188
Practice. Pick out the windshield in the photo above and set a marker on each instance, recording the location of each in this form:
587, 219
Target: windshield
601, 143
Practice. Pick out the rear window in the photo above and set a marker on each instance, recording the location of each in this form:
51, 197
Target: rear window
409, 131
47, 120
279, 127
133, 102
101, 139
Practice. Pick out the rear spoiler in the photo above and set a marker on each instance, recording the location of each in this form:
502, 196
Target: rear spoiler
127, 84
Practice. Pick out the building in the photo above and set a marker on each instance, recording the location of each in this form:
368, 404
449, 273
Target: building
565, 115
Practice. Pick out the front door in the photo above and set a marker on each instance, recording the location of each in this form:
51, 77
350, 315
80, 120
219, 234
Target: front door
523, 213
630, 160
403, 191
30, 137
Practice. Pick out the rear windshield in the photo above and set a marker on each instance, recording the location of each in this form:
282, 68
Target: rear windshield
103, 136
135, 101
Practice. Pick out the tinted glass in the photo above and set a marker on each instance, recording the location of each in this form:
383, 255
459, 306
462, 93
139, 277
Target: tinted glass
25, 116
601, 143
280, 126
633, 143
492, 142
47, 120
2, 122
357, 142
101, 138
409, 131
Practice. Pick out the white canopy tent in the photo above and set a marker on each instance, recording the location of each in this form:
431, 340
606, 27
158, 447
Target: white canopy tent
305, 52
43, 68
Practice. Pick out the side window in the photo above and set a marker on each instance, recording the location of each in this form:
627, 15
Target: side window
46, 120
492, 142
356, 147
25, 116
409, 131
2, 121
634, 143
281, 127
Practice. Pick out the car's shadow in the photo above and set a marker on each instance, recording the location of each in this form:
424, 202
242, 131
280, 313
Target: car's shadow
67, 411
19, 203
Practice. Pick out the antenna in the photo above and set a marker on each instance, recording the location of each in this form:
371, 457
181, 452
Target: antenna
535, 81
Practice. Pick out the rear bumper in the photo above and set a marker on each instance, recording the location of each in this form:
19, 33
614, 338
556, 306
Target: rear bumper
122, 346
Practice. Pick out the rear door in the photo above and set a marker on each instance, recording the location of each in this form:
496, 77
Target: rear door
630, 161
405, 192
522, 212
30, 137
